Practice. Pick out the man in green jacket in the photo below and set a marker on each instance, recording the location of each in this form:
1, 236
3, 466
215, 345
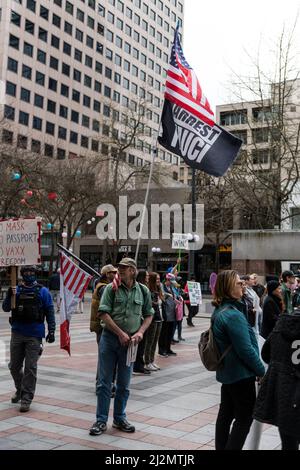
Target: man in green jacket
288, 280
126, 314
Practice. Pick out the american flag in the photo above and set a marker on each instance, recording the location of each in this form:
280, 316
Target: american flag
116, 282
182, 86
73, 284
74, 278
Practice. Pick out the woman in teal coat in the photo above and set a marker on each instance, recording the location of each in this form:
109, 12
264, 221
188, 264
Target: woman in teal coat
240, 367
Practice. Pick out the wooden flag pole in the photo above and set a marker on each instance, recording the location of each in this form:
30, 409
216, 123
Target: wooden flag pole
179, 257
13, 283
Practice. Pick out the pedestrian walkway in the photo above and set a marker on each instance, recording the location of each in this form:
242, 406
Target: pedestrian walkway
174, 408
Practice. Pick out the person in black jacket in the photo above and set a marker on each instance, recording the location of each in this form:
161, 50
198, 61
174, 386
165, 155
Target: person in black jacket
272, 308
278, 401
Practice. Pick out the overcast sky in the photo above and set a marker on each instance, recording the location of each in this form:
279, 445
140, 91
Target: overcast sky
217, 33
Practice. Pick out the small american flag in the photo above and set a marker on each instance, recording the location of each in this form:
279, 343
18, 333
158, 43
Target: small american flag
116, 282
73, 284
182, 86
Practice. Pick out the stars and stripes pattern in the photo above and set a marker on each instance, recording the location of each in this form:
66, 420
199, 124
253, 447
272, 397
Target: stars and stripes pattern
73, 284
116, 282
182, 85
74, 278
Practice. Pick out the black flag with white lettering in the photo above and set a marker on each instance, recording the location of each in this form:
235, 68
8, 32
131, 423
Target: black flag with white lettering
187, 123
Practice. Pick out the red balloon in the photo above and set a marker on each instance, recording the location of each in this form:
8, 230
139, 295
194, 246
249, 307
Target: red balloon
29, 193
52, 196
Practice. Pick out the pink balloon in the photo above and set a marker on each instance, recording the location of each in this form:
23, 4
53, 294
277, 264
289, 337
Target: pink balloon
212, 282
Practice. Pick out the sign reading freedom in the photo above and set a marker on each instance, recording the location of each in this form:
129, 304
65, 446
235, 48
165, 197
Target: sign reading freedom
20, 242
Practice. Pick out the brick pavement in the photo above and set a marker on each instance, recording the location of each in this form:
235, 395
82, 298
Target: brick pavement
174, 408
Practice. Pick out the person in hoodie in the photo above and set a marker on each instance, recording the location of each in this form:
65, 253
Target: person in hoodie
278, 401
272, 308
240, 366
34, 304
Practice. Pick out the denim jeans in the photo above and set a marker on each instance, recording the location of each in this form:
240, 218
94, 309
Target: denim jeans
112, 354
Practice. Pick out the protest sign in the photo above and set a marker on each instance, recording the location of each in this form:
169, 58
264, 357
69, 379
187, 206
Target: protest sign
195, 294
20, 242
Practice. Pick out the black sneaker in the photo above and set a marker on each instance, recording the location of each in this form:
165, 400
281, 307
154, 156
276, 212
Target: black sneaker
123, 426
98, 428
163, 354
171, 353
141, 371
174, 341
16, 397
24, 407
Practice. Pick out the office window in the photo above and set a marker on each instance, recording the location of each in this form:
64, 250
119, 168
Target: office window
86, 101
49, 150
64, 90
62, 133
136, 36
106, 110
120, 24
65, 69
107, 91
69, 8
118, 60
101, 10
41, 56
9, 112
88, 61
25, 95
84, 141
10, 89
35, 146
109, 54
97, 86
135, 53
90, 42
38, 100
54, 41
98, 67
127, 48
31, 5
12, 65
80, 15
56, 20
117, 78
53, 63
76, 96
68, 28
78, 55
79, 35
61, 154
97, 106
43, 35
44, 13
7, 136
22, 141
87, 81
23, 118
15, 18
37, 123
13, 41
57, 2
110, 17
51, 106
29, 26
26, 71
52, 84
116, 97
73, 137
100, 29
128, 30
63, 111
90, 22
67, 48
126, 83
96, 125
85, 121
77, 75
99, 47
134, 71
95, 145
74, 116
109, 35
50, 128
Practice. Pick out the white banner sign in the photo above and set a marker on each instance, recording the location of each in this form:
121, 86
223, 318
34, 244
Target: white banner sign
180, 241
195, 294
20, 242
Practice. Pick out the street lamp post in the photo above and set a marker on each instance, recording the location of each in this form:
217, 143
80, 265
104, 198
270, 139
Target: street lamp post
192, 238
154, 249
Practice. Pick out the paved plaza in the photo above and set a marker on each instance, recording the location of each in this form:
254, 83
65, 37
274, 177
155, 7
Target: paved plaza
174, 408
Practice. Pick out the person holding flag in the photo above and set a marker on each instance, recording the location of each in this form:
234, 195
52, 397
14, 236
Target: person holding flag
123, 306
33, 305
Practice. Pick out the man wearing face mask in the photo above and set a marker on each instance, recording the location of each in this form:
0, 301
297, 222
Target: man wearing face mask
33, 304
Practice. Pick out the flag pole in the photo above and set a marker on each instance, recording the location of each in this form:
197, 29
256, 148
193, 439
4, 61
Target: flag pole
154, 151
77, 259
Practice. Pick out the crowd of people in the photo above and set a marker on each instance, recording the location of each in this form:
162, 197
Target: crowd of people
135, 315
245, 310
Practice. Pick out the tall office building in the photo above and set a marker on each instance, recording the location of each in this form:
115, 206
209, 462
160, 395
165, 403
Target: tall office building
66, 66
